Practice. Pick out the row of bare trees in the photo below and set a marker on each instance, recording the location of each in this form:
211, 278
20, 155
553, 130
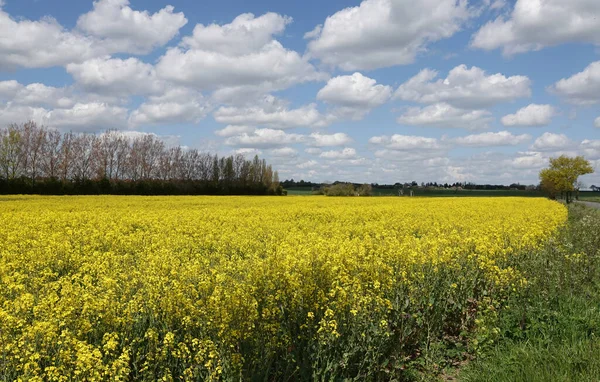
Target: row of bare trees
35, 154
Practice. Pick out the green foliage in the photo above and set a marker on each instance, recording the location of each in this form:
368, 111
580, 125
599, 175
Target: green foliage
550, 333
340, 189
563, 173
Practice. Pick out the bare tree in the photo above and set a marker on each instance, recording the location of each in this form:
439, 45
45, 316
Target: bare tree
51, 153
84, 164
33, 140
109, 146
67, 156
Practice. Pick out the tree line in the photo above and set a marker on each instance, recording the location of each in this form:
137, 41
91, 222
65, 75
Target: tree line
409, 185
36, 159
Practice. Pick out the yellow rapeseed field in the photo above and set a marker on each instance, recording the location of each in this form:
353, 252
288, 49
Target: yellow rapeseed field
236, 288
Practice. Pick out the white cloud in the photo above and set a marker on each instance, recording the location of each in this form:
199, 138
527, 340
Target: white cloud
597, 122
112, 27
244, 35
238, 55
464, 88
116, 77
349, 162
591, 149
232, 130
248, 152
88, 117
208, 69
529, 160
273, 113
313, 33
535, 24
407, 143
125, 30
308, 164
323, 140
531, 115
177, 105
355, 95
313, 151
550, 141
382, 33
9, 89
56, 108
582, 88
346, 153
264, 138
502, 138
445, 115
284, 152
35, 94
20, 114
43, 43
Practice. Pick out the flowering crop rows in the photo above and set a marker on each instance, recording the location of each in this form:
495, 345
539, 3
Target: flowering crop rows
208, 288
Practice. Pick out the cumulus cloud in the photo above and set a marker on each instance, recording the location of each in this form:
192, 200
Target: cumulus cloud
582, 88
248, 152
346, 153
591, 149
57, 108
284, 152
88, 117
407, 143
464, 88
176, 105
116, 77
535, 24
122, 29
18, 114
43, 43
502, 138
354, 95
313, 150
383, 33
36, 95
445, 115
264, 138
308, 164
324, 140
531, 115
529, 160
112, 27
239, 55
232, 130
273, 113
550, 141
244, 35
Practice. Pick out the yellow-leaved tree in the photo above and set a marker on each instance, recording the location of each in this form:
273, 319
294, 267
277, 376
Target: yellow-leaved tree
561, 177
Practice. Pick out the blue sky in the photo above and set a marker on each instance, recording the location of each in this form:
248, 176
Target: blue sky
372, 91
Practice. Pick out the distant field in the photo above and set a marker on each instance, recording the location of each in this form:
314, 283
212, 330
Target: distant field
470, 193
299, 191
591, 198
432, 193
